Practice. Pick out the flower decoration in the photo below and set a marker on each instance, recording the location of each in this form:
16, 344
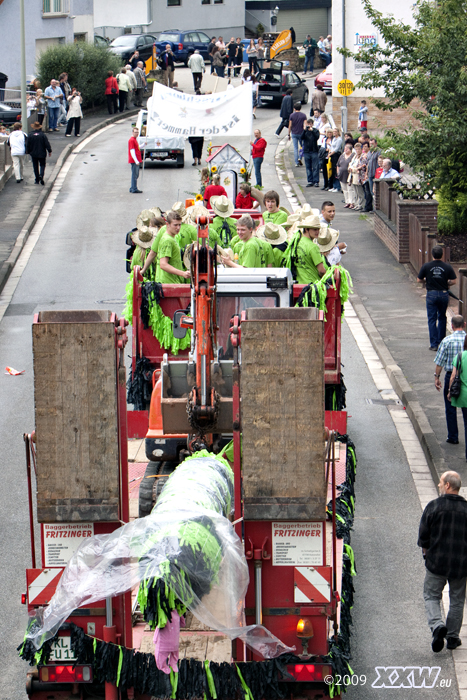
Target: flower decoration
198, 197
214, 169
242, 171
227, 181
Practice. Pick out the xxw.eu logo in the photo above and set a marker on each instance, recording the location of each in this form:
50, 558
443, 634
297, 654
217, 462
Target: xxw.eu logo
408, 677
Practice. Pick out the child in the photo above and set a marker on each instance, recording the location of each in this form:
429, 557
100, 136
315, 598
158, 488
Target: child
273, 213
363, 116
379, 169
244, 199
329, 246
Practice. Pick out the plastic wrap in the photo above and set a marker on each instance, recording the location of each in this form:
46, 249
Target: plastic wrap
187, 541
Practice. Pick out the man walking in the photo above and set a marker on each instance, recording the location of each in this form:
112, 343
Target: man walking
134, 158
131, 94
258, 147
439, 277
140, 83
38, 146
286, 111
197, 67
296, 124
54, 94
318, 100
166, 62
443, 539
17, 142
447, 353
309, 45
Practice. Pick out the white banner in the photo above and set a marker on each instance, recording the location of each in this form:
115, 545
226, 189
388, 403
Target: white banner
173, 113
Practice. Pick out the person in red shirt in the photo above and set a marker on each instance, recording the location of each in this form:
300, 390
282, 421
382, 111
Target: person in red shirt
134, 159
258, 146
244, 199
379, 169
111, 92
214, 190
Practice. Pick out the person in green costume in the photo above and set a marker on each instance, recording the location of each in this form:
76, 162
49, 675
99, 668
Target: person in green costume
275, 236
169, 262
148, 224
273, 213
303, 255
248, 249
223, 227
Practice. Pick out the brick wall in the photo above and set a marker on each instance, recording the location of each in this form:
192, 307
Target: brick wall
378, 121
395, 234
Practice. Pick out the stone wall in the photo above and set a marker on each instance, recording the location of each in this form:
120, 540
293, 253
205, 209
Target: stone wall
378, 121
394, 231
296, 62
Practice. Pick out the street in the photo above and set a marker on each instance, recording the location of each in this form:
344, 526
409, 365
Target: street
78, 262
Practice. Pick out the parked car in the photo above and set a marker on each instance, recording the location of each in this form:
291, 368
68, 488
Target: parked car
9, 115
183, 43
125, 46
100, 40
325, 79
274, 82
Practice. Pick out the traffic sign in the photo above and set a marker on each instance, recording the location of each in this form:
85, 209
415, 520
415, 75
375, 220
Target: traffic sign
345, 87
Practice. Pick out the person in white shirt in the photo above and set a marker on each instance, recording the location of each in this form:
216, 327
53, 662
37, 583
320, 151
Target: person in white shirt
132, 80
197, 67
17, 142
388, 171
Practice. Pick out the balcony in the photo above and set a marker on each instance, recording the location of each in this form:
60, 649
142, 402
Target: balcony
55, 8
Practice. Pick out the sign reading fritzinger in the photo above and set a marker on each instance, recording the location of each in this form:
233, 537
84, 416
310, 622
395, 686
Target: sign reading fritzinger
173, 113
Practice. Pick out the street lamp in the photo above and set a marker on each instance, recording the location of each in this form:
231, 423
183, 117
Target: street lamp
274, 14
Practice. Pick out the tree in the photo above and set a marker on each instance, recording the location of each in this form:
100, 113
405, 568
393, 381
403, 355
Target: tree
427, 63
86, 65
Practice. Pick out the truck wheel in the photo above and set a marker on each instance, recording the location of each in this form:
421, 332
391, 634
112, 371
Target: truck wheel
145, 501
166, 471
181, 161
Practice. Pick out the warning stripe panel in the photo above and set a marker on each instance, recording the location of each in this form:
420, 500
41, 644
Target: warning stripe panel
312, 584
41, 584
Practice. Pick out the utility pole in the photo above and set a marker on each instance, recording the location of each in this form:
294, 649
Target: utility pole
24, 112
344, 74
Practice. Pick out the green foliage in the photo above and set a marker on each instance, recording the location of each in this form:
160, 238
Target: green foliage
428, 63
452, 213
86, 65
422, 190
259, 30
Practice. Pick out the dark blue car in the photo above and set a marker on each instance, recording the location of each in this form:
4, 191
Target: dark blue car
183, 44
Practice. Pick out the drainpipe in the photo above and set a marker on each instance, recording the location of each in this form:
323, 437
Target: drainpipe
344, 73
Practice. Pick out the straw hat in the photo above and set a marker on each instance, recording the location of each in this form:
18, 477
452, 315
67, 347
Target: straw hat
222, 206
187, 255
143, 219
36, 126
179, 208
310, 222
194, 211
327, 239
307, 210
156, 211
272, 233
226, 252
292, 220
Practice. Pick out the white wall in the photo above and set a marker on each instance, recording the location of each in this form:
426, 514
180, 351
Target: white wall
84, 24
356, 22
120, 13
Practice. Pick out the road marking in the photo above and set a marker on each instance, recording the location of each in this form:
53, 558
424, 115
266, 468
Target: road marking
10, 287
421, 474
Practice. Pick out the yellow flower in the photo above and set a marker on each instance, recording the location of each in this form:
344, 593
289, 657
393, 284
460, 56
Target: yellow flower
242, 171
199, 197
214, 169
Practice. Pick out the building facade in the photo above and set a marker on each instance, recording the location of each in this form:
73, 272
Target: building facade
47, 22
352, 28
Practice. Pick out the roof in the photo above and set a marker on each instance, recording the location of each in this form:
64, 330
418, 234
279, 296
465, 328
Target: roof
227, 146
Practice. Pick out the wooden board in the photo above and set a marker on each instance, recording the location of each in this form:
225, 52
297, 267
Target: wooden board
75, 393
282, 391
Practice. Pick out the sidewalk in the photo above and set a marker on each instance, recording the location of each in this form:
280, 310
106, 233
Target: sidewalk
391, 307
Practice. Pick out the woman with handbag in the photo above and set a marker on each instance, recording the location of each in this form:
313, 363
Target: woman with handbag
457, 393
327, 167
111, 92
356, 188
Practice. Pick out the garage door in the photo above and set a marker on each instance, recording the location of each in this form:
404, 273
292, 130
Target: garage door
314, 22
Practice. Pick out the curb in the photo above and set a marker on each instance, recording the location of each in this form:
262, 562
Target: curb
401, 386
7, 267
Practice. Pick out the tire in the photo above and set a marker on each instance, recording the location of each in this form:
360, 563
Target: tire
146, 487
166, 471
181, 161
305, 98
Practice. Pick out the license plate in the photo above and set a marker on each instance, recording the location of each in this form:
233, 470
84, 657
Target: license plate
266, 97
61, 650
160, 154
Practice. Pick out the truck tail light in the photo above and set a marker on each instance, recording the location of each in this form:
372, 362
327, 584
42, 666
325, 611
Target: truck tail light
180, 47
65, 674
309, 672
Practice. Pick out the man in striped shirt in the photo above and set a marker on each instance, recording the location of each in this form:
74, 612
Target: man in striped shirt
448, 349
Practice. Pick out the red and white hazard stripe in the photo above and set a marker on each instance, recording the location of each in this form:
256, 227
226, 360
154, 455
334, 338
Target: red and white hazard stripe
312, 584
42, 584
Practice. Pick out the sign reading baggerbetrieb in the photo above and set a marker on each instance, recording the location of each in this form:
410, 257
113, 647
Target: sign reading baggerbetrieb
297, 543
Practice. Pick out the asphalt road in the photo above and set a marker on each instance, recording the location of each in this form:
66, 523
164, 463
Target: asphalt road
78, 262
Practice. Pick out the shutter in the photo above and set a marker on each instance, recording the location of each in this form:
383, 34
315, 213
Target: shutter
313, 22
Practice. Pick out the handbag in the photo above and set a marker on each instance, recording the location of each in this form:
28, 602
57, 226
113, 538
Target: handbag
455, 388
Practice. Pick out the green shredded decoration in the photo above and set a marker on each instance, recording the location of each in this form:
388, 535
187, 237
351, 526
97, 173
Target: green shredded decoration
210, 679
120, 662
350, 553
248, 693
173, 683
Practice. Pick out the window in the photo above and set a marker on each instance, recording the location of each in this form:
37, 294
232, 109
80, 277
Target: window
174, 3
55, 7
218, 2
204, 38
205, 2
